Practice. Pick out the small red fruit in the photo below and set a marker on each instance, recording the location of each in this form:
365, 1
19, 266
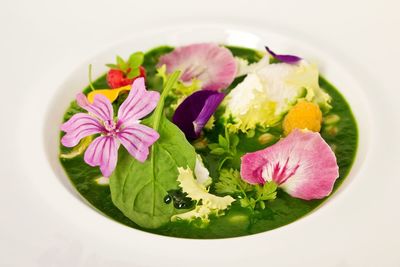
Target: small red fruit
117, 78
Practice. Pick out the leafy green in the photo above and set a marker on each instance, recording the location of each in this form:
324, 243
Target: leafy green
138, 189
249, 196
136, 59
133, 73
112, 66
231, 183
206, 203
121, 64
225, 148
260, 194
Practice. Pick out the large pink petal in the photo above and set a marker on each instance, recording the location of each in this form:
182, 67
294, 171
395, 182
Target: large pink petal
210, 63
79, 126
139, 103
137, 139
103, 152
302, 164
101, 107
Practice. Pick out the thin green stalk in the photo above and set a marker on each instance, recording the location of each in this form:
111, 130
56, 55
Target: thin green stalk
168, 86
90, 78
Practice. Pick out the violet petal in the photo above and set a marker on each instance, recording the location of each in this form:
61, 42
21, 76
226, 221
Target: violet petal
289, 59
195, 111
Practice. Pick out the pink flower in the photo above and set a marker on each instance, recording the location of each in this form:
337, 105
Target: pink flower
125, 130
210, 63
302, 164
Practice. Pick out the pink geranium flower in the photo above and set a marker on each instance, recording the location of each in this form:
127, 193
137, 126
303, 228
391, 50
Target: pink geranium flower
125, 129
302, 164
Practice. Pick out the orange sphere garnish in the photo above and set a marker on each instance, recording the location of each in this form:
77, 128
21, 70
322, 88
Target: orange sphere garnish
304, 115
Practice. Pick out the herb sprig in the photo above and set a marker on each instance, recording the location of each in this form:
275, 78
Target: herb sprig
249, 196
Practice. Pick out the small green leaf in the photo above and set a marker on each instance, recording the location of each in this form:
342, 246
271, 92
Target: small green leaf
136, 59
112, 66
213, 146
230, 182
218, 151
250, 133
267, 191
121, 64
223, 142
133, 73
244, 203
234, 141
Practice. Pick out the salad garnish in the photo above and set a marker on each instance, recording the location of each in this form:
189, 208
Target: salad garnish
195, 111
125, 130
302, 164
289, 59
210, 63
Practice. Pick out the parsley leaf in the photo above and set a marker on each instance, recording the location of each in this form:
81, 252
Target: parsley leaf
230, 182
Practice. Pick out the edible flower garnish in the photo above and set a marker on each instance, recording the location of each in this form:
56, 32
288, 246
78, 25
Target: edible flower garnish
125, 130
195, 111
111, 94
214, 66
302, 164
289, 59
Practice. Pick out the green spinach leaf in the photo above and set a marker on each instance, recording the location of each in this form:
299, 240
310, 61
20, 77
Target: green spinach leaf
138, 189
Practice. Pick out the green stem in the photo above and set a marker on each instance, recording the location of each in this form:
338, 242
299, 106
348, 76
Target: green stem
160, 108
90, 78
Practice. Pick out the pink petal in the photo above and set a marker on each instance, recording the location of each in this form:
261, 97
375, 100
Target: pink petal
303, 164
212, 64
139, 103
137, 139
79, 126
103, 152
101, 107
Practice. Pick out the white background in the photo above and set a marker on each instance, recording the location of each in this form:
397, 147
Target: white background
38, 36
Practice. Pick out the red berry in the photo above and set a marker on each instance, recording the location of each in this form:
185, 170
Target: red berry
117, 78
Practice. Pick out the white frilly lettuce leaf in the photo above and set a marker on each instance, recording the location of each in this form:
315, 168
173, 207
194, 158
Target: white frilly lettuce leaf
269, 91
196, 189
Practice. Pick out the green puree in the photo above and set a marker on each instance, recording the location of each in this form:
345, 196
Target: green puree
237, 221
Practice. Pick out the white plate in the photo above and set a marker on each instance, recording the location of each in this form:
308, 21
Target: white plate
64, 231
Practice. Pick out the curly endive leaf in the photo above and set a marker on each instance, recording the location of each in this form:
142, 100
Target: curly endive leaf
210, 204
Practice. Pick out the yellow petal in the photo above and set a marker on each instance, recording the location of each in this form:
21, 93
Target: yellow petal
111, 94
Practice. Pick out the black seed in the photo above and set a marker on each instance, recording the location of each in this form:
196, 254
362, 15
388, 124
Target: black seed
167, 199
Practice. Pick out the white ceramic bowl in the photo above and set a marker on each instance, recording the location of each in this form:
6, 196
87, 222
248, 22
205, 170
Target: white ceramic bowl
102, 241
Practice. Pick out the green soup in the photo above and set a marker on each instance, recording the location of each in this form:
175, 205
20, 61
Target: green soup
339, 131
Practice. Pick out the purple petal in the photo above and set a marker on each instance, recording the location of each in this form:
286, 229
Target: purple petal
103, 152
289, 59
210, 63
137, 139
302, 164
101, 107
195, 111
139, 102
79, 126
